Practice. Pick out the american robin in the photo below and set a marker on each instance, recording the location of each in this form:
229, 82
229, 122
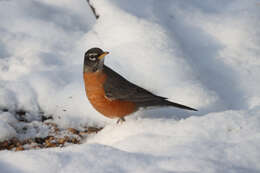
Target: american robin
111, 94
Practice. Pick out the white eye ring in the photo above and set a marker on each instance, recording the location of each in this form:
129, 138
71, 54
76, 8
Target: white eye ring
92, 58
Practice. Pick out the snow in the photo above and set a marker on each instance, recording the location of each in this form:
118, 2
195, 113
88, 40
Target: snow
203, 54
6, 130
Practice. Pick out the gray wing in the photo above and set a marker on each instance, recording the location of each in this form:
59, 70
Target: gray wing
117, 87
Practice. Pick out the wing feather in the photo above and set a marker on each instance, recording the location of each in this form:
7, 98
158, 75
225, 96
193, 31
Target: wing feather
117, 87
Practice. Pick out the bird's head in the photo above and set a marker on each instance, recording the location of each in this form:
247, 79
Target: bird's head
94, 60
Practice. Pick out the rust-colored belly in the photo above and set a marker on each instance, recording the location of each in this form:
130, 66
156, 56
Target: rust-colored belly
96, 95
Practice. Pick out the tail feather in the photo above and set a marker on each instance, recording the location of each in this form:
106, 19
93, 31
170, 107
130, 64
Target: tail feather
177, 105
160, 101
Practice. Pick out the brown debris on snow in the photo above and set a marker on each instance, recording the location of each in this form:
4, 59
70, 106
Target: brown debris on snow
55, 139
55, 136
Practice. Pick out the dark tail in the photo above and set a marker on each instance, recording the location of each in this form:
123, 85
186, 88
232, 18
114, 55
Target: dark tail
161, 101
177, 105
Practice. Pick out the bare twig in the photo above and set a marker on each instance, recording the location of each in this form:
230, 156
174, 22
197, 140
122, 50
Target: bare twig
93, 9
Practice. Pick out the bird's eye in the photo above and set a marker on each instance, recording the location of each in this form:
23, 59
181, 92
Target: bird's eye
92, 58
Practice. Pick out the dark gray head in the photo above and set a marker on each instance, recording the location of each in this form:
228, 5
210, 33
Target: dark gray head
94, 60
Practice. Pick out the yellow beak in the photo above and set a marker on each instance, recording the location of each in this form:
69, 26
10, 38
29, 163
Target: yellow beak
103, 55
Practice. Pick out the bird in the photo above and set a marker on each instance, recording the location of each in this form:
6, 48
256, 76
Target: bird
113, 95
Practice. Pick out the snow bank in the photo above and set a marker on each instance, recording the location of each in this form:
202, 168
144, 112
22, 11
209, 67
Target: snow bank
202, 54
6, 129
216, 142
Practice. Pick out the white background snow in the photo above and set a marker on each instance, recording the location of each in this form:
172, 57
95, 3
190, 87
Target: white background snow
204, 54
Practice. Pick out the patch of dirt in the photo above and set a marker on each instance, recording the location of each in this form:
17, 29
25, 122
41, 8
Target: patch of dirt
44, 133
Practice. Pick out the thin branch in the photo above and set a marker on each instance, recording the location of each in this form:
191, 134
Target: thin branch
93, 9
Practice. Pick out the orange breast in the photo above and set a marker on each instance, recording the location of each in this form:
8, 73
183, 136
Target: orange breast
96, 95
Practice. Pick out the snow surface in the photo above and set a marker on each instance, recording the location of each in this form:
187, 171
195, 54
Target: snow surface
204, 54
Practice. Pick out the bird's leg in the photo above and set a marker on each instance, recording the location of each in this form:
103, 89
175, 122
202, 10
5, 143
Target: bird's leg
110, 99
120, 120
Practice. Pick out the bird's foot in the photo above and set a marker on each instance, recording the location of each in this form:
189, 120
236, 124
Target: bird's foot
120, 120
